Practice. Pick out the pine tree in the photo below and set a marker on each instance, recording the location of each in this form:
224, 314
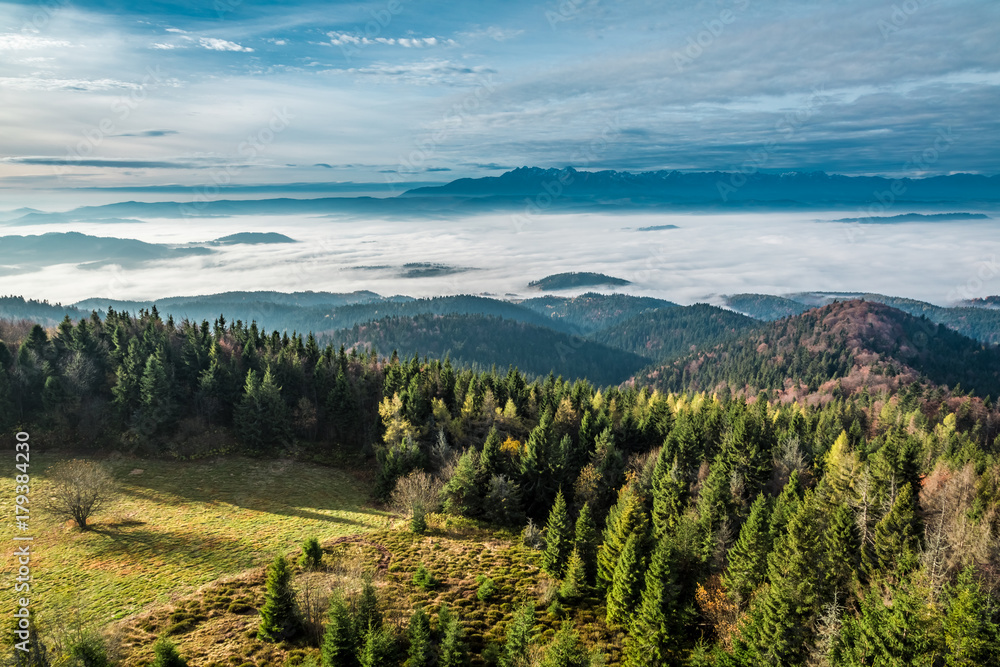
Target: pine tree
461, 493
896, 534
781, 627
586, 544
312, 554
340, 639
748, 556
668, 493
575, 581
970, 636
624, 519
626, 586
655, 632
785, 506
420, 653
841, 549
558, 539
165, 654
566, 649
377, 649
366, 611
278, 617
453, 652
519, 635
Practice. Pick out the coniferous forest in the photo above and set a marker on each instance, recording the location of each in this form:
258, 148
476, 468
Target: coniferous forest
709, 524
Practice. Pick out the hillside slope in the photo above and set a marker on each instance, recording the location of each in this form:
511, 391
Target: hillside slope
858, 343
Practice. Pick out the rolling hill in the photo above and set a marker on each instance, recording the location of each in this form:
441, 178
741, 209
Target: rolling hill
851, 344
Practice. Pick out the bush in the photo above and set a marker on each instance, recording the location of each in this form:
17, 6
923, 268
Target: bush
424, 578
166, 655
312, 554
487, 588
531, 536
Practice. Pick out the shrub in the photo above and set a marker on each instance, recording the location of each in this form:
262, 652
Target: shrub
312, 554
424, 578
487, 588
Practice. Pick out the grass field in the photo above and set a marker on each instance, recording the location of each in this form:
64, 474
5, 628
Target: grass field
177, 526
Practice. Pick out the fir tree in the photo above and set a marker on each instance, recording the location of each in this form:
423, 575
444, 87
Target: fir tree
575, 581
366, 612
841, 549
340, 640
748, 556
165, 654
655, 632
971, 637
420, 653
896, 534
626, 586
558, 539
624, 519
586, 542
519, 635
453, 652
377, 649
566, 649
780, 630
312, 554
279, 618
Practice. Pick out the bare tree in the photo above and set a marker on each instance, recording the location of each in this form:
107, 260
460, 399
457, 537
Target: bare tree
79, 489
417, 492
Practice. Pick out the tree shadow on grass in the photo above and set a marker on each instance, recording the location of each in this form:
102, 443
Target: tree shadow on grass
270, 487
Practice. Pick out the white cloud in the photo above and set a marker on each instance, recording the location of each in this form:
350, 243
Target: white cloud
214, 44
344, 38
178, 30
48, 84
13, 41
162, 46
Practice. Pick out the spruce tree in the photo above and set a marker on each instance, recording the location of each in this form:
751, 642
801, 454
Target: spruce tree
340, 639
841, 549
558, 539
279, 617
165, 654
453, 652
377, 649
624, 519
748, 556
420, 653
626, 586
366, 611
781, 627
896, 534
312, 554
971, 637
586, 542
785, 506
575, 582
566, 649
519, 635
655, 632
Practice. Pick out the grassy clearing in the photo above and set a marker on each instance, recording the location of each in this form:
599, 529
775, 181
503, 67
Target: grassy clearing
178, 526
216, 627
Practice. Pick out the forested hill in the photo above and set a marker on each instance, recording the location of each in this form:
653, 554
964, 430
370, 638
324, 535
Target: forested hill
477, 340
671, 332
839, 348
592, 311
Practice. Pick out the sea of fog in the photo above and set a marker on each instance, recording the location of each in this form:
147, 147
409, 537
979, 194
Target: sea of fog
499, 254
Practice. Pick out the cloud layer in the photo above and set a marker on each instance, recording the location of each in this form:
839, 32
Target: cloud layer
851, 87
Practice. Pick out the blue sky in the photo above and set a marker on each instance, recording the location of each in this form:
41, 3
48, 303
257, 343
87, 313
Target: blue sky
115, 94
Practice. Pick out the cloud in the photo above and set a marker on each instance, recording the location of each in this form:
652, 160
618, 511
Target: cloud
356, 39
114, 163
215, 44
13, 41
147, 133
426, 72
163, 47
53, 84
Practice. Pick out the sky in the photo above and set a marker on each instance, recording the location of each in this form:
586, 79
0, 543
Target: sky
132, 95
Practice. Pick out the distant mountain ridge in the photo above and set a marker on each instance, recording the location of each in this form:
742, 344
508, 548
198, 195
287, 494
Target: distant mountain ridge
718, 186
